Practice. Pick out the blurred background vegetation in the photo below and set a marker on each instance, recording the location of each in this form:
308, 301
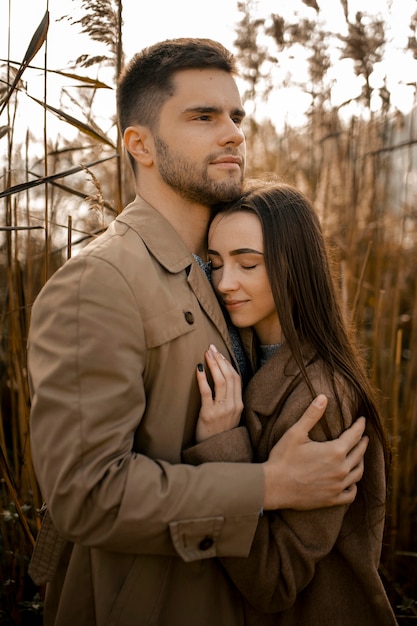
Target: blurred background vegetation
356, 161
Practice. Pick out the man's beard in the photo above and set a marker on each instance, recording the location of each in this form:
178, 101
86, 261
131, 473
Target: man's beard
191, 182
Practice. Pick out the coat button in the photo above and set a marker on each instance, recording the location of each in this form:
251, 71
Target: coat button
189, 317
206, 543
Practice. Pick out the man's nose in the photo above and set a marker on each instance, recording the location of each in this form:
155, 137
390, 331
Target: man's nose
231, 133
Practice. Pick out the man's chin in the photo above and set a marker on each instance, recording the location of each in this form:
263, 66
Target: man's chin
225, 201
228, 190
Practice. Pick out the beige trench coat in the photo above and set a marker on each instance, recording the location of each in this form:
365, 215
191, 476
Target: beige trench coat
115, 338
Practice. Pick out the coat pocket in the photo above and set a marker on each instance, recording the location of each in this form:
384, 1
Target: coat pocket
167, 325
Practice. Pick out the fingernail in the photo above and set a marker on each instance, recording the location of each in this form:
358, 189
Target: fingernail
214, 349
320, 401
200, 367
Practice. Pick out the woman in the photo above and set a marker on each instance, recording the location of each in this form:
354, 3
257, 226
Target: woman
271, 272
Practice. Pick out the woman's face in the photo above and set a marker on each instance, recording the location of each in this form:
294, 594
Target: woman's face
239, 274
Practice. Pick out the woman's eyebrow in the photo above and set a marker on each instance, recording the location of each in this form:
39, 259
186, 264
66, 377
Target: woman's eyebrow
237, 252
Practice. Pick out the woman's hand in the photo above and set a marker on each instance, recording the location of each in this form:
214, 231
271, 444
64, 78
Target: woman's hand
219, 411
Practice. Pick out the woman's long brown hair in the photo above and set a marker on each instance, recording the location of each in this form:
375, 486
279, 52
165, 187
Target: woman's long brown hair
304, 291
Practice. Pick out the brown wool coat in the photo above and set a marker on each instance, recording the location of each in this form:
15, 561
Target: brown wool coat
306, 568
115, 338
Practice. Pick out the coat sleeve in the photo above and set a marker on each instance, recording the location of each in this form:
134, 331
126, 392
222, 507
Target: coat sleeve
288, 544
86, 358
230, 446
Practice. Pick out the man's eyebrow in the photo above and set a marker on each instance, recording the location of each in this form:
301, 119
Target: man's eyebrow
213, 109
237, 252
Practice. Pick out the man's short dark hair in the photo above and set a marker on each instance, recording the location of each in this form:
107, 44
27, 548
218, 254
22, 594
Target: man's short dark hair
147, 80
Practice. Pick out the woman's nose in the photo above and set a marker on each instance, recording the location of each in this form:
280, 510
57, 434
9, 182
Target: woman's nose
226, 281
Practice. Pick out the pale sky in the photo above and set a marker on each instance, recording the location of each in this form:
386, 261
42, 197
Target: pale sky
144, 24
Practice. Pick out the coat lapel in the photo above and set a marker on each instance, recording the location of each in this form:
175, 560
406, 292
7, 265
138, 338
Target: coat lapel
164, 243
208, 301
270, 387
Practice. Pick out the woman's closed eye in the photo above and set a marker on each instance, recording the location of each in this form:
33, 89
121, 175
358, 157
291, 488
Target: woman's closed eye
246, 259
246, 268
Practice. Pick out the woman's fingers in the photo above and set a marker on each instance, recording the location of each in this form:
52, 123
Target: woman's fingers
204, 387
227, 382
221, 406
218, 368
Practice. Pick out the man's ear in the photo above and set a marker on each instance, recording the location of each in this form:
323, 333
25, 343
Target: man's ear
139, 143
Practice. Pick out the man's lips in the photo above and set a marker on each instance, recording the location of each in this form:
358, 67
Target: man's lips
227, 161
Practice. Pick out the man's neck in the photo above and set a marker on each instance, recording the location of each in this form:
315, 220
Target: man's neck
190, 220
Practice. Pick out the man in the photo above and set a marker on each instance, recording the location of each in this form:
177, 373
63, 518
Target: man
115, 338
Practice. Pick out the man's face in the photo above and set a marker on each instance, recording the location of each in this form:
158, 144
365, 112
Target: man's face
200, 147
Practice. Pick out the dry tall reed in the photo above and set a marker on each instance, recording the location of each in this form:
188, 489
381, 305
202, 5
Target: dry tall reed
352, 170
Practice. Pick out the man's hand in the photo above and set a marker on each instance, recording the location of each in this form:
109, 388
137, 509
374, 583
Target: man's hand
304, 474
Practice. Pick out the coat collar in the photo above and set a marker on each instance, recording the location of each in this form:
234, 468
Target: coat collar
269, 388
275, 379
159, 236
